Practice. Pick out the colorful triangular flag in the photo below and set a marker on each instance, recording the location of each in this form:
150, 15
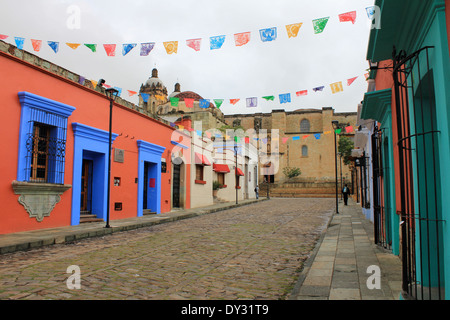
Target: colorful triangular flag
146, 48
19, 42
252, 102
110, 50
350, 81
320, 24
189, 102
218, 102
37, 44
285, 97
127, 47
370, 11
268, 34
318, 88
241, 38
216, 42
171, 46
271, 98
292, 29
302, 93
204, 103
336, 87
54, 45
91, 46
174, 101
234, 101
73, 45
194, 44
348, 16
145, 96
119, 91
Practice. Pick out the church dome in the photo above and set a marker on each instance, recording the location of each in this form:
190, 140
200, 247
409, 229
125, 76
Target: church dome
176, 91
189, 95
154, 80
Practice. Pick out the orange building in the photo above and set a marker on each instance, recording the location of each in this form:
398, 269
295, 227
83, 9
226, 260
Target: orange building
55, 143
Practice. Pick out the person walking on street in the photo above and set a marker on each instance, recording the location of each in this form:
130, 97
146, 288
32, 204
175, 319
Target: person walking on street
257, 192
345, 192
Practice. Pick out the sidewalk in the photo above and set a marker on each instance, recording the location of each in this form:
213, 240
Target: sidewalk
37, 238
337, 269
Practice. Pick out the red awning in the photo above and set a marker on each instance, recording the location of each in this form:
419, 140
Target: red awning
239, 172
201, 159
223, 168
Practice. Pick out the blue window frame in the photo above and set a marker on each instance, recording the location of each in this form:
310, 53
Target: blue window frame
42, 139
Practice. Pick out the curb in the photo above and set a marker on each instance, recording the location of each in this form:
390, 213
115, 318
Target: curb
62, 236
307, 265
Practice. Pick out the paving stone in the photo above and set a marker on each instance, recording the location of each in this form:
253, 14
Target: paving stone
344, 294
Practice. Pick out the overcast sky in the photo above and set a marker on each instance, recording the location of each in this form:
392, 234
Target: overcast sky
257, 69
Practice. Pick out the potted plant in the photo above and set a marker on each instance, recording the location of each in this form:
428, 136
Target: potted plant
216, 187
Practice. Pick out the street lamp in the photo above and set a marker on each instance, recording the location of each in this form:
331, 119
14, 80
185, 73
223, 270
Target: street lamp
236, 177
111, 93
340, 170
335, 125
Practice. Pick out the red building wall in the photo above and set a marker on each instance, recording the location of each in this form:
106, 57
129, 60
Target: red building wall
92, 109
384, 80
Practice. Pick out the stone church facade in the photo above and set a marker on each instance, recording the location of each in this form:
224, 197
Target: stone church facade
302, 139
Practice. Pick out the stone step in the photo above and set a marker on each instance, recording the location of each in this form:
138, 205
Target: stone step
86, 217
303, 191
86, 220
306, 195
148, 212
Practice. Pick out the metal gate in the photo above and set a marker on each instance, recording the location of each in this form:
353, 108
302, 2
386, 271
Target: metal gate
381, 222
176, 186
418, 151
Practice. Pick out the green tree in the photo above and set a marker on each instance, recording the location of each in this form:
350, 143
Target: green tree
345, 146
291, 172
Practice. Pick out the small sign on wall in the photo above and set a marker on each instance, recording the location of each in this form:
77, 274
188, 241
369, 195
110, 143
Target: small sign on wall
119, 155
163, 165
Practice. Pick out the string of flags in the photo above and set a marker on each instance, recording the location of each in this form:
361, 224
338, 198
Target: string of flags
250, 102
315, 136
215, 42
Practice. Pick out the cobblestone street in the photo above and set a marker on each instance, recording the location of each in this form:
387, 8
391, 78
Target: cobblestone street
250, 252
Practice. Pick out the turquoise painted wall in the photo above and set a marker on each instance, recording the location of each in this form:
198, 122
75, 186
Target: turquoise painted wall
435, 34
